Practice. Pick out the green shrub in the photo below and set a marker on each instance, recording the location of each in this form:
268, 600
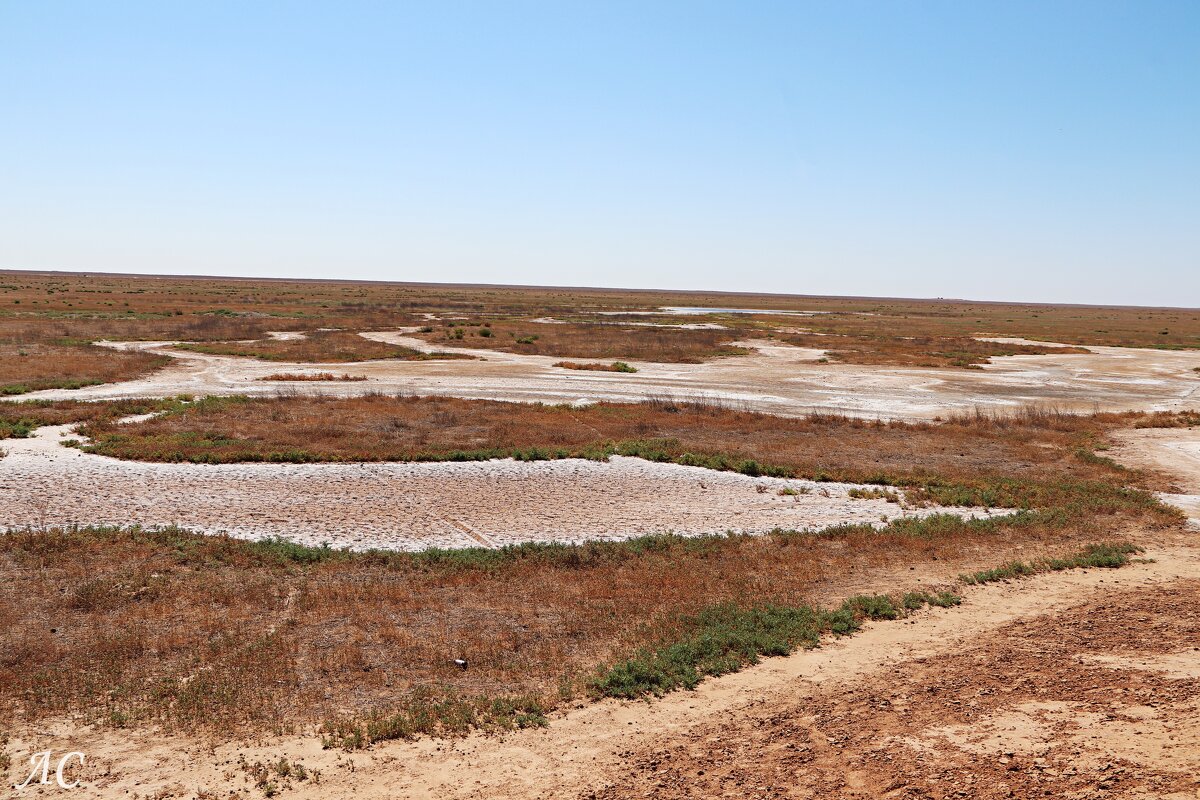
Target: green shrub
1103, 555
726, 637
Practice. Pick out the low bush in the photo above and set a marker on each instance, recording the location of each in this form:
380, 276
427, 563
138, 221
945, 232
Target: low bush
616, 366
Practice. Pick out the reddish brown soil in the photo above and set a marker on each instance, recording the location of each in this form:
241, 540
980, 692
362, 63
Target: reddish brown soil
1099, 701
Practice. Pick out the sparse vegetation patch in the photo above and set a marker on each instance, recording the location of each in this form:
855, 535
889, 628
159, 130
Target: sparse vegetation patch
727, 637
1105, 555
589, 340
616, 366
916, 351
311, 376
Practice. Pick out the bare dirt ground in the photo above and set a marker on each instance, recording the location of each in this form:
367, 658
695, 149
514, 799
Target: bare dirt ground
776, 378
414, 506
1100, 699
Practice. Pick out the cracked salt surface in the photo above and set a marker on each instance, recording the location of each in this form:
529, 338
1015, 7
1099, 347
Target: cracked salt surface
404, 506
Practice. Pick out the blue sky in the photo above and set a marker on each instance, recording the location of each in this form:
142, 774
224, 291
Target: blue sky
1021, 151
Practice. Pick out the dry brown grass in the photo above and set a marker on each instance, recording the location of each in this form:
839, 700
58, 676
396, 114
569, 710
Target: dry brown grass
969, 450
38, 308
311, 376
134, 301
917, 351
19, 418
320, 347
587, 340
50, 327
31, 367
208, 633
137, 307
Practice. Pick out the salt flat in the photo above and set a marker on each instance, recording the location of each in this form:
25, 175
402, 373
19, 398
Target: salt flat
775, 378
406, 506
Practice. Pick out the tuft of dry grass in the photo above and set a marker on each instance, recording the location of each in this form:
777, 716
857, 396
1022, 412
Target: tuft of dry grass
335, 347
1168, 419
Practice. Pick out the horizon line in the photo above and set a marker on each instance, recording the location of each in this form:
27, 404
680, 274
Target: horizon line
724, 292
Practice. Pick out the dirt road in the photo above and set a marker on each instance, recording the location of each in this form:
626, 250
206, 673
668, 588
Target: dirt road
1098, 700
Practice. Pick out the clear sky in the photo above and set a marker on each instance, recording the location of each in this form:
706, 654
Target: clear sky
991, 150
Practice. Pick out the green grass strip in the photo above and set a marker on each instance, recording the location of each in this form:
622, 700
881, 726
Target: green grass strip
1105, 555
724, 638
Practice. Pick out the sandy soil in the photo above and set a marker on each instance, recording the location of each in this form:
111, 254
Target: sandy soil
777, 378
413, 506
1080, 684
